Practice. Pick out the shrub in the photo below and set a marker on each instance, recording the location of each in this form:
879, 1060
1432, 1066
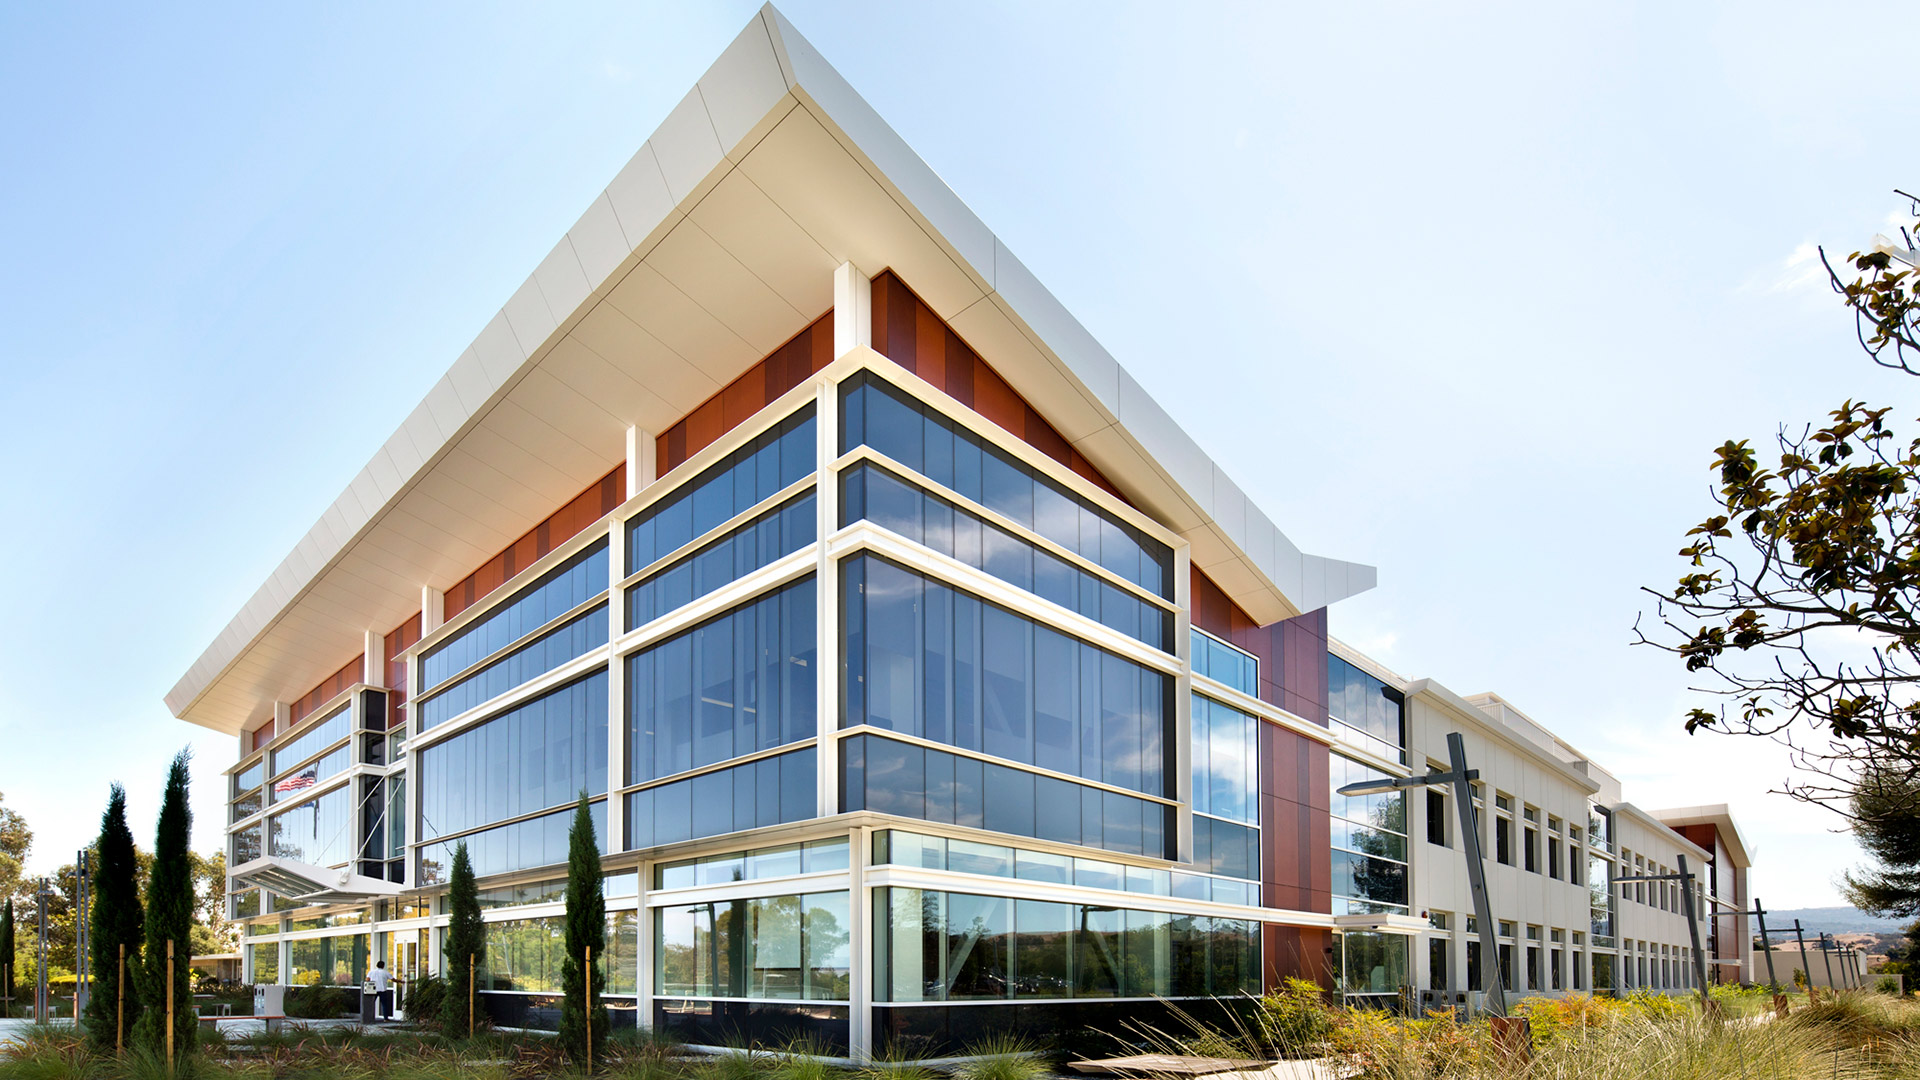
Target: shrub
316, 1002
1295, 1020
426, 997
1001, 1057
47, 1054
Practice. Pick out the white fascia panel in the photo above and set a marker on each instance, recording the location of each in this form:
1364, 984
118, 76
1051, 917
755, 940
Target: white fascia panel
529, 317
471, 385
562, 282
640, 199
687, 148
1027, 301
1229, 506
1166, 446
445, 408
497, 350
384, 474
599, 243
743, 86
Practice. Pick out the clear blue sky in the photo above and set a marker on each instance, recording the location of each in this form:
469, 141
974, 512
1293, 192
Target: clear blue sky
1467, 295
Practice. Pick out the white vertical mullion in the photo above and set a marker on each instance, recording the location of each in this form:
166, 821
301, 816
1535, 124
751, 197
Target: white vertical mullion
1181, 760
826, 606
616, 839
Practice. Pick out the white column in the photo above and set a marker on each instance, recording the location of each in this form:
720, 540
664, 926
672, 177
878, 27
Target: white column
644, 987
852, 309
616, 838
433, 607
282, 717
373, 670
641, 464
827, 608
860, 975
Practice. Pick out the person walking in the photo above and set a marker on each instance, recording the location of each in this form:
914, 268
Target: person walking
382, 980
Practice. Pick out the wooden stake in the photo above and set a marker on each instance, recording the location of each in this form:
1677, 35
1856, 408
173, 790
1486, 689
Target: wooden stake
589, 996
469, 996
120, 1005
169, 1008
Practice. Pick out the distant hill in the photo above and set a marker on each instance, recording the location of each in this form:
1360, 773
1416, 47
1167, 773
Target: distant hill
1835, 920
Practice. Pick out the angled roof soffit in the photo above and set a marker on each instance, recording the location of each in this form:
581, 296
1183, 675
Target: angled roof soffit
714, 245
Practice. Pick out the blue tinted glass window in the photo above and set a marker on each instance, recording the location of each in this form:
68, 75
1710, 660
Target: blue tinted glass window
771, 791
892, 777
1225, 757
871, 493
1365, 711
777, 457
1369, 836
318, 832
903, 428
317, 737
540, 753
950, 946
936, 663
1221, 662
576, 638
523, 845
557, 592
737, 684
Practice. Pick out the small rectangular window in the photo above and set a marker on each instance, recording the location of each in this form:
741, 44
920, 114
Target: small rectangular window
1437, 818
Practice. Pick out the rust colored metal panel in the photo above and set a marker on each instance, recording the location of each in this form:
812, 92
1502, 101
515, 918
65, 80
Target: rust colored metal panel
908, 332
778, 372
557, 528
1296, 952
326, 689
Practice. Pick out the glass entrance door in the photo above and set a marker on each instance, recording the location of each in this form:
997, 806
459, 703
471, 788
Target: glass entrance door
407, 959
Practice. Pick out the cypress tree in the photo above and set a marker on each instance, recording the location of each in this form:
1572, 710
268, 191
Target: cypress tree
466, 937
118, 919
169, 918
586, 927
6, 954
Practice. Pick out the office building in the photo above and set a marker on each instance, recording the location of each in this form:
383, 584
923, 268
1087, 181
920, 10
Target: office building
924, 675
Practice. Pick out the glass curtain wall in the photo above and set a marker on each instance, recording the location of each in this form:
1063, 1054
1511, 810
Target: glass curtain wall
1365, 711
555, 593
1369, 844
791, 948
1226, 789
737, 684
871, 493
950, 946
876, 414
537, 755
928, 660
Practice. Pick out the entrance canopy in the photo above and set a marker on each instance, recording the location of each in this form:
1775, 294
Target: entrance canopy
310, 884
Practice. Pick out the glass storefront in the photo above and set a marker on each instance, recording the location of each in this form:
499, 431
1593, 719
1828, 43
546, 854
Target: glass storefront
1371, 964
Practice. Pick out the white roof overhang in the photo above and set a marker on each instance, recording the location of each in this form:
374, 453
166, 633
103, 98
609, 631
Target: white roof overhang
714, 245
1720, 816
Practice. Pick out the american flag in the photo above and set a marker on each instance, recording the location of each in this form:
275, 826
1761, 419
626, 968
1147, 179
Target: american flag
299, 781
